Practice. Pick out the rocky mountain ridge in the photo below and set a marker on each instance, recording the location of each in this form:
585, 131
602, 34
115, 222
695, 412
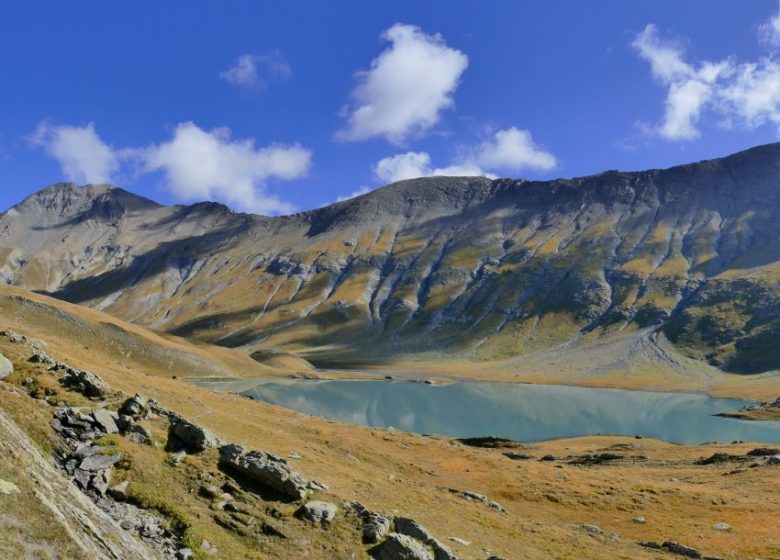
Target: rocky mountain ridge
443, 268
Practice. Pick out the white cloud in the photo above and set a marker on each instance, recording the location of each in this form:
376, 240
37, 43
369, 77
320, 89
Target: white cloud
769, 31
752, 96
689, 88
407, 87
353, 194
513, 149
82, 155
740, 94
201, 164
255, 71
411, 165
403, 166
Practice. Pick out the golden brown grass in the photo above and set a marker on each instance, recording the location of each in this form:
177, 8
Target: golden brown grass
407, 474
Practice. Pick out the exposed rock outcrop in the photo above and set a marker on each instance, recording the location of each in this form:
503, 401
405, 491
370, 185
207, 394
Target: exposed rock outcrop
190, 436
401, 547
265, 469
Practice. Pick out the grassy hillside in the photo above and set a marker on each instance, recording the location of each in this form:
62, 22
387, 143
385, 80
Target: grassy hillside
547, 502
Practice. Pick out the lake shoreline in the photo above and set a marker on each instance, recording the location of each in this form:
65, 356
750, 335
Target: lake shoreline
521, 412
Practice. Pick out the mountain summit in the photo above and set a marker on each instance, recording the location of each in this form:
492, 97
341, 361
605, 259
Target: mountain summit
674, 266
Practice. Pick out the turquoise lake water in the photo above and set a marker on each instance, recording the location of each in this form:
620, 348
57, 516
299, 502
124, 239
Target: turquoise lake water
516, 411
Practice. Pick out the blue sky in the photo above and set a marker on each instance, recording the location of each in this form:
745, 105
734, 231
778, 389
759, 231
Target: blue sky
278, 107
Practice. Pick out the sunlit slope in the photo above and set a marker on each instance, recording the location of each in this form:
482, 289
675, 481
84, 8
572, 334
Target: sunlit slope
457, 269
100, 341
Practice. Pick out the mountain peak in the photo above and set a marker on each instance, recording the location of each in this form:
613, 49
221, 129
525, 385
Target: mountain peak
96, 201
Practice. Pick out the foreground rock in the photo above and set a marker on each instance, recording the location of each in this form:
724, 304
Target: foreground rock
6, 367
194, 438
400, 547
318, 512
375, 527
264, 469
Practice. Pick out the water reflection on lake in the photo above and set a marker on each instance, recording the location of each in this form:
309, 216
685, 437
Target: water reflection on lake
521, 412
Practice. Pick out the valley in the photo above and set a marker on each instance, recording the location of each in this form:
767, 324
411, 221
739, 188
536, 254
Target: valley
447, 350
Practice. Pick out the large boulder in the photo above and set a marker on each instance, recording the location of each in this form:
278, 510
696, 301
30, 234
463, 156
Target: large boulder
400, 547
375, 527
318, 512
194, 438
6, 367
264, 469
410, 528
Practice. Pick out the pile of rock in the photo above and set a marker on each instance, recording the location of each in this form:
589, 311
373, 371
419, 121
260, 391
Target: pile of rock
397, 538
411, 540
91, 466
76, 426
87, 383
770, 454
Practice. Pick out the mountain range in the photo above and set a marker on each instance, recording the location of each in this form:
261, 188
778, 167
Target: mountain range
680, 265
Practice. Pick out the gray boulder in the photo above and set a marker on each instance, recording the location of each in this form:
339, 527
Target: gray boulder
264, 469
192, 437
6, 367
400, 547
441, 552
411, 528
318, 511
105, 420
375, 527
99, 462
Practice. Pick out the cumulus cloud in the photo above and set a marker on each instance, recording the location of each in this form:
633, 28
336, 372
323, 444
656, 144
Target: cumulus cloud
769, 31
403, 166
255, 71
739, 94
201, 164
514, 149
408, 86
197, 164
82, 155
511, 149
689, 88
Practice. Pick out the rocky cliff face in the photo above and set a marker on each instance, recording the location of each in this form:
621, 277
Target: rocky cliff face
459, 268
